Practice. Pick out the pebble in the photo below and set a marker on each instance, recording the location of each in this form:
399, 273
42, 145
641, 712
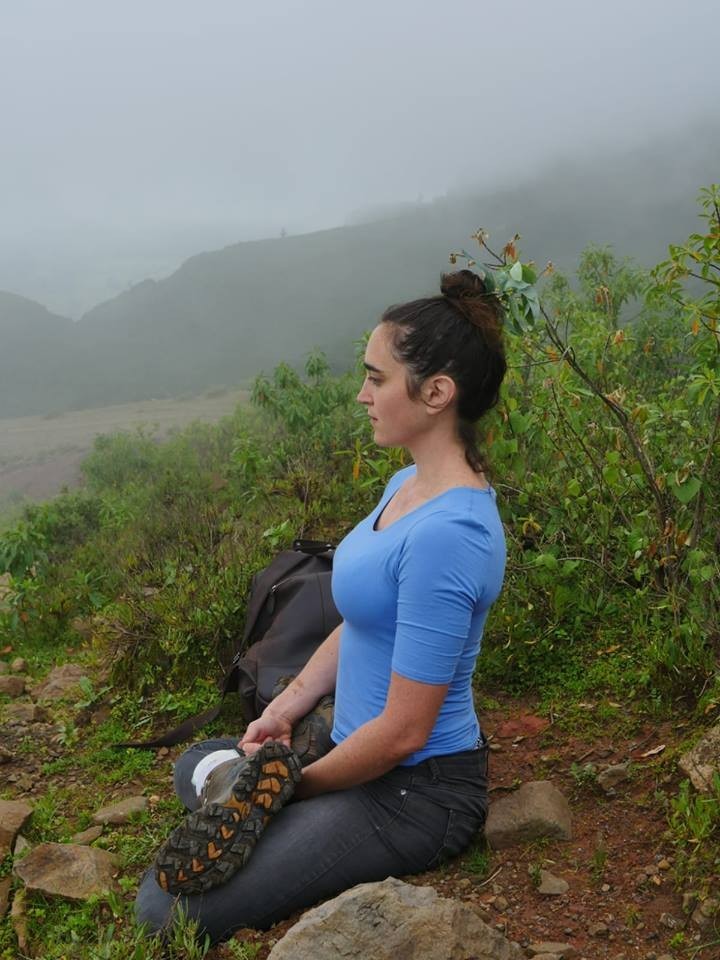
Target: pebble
664, 864
19, 665
669, 921
501, 904
598, 929
605, 888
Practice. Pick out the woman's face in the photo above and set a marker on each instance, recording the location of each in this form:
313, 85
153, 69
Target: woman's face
397, 418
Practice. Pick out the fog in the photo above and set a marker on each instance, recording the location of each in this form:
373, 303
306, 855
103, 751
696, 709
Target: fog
136, 134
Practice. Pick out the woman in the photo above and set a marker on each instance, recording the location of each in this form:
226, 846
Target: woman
406, 783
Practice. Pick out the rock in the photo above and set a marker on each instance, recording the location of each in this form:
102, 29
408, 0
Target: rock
5, 755
500, 903
19, 665
703, 915
611, 776
86, 837
5, 885
21, 845
537, 809
598, 929
12, 686
18, 918
13, 816
565, 950
689, 901
65, 870
669, 921
25, 713
60, 682
392, 920
703, 760
664, 864
120, 812
552, 886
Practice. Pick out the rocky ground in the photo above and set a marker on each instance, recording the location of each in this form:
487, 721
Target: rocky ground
609, 891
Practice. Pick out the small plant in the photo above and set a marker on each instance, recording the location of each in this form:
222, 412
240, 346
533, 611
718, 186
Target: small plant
585, 775
477, 860
598, 862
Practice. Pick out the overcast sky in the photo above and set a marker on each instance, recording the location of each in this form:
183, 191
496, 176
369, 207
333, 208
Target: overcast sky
124, 124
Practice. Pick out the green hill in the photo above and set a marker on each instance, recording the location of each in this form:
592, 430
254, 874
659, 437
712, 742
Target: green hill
226, 315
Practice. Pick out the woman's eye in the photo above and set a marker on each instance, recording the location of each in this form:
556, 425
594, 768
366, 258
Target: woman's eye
373, 380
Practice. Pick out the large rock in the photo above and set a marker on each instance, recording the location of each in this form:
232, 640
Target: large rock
393, 920
60, 682
12, 686
25, 713
64, 870
5, 885
536, 810
122, 811
700, 763
13, 816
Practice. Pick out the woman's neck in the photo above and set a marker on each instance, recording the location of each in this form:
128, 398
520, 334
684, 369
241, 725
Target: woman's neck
441, 464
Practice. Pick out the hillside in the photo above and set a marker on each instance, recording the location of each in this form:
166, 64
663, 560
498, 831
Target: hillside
224, 316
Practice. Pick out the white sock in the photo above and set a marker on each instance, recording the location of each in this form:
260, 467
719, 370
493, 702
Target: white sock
208, 764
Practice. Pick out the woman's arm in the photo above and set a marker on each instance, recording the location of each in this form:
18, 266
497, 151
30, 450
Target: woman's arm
379, 745
315, 680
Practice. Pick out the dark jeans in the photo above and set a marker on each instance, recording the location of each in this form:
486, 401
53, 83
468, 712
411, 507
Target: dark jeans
406, 821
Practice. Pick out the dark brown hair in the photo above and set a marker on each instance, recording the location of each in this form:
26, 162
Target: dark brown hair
458, 333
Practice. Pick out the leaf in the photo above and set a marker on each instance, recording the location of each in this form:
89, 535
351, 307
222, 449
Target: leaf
687, 490
516, 271
519, 422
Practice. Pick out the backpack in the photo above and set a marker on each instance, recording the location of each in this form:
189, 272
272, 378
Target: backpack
290, 612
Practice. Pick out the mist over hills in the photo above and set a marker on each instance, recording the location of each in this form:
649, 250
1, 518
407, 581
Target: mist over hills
225, 315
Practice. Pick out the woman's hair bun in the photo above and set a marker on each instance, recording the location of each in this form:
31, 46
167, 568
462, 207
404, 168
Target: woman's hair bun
462, 285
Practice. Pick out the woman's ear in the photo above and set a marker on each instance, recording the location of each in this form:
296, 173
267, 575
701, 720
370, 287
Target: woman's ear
438, 392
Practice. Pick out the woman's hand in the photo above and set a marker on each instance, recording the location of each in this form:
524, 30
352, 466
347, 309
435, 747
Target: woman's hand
267, 727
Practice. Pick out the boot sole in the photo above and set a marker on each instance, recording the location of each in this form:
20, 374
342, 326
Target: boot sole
217, 840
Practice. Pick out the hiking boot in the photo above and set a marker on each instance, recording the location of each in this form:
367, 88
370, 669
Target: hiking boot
311, 735
239, 798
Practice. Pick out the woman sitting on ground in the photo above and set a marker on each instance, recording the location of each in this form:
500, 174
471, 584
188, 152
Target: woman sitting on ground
405, 783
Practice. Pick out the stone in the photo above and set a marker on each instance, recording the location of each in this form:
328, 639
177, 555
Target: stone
5, 755
120, 812
703, 760
21, 845
703, 916
12, 686
59, 683
18, 918
536, 810
14, 814
552, 886
669, 921
19, 665
5, 885
69, 871
389, 921
598, 929
25, 713
611, 776
86, 837
565, 950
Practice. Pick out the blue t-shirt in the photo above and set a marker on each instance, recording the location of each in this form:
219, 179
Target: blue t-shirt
414, 598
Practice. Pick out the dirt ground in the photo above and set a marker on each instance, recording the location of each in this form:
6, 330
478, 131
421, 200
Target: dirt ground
40, 455
621, 902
